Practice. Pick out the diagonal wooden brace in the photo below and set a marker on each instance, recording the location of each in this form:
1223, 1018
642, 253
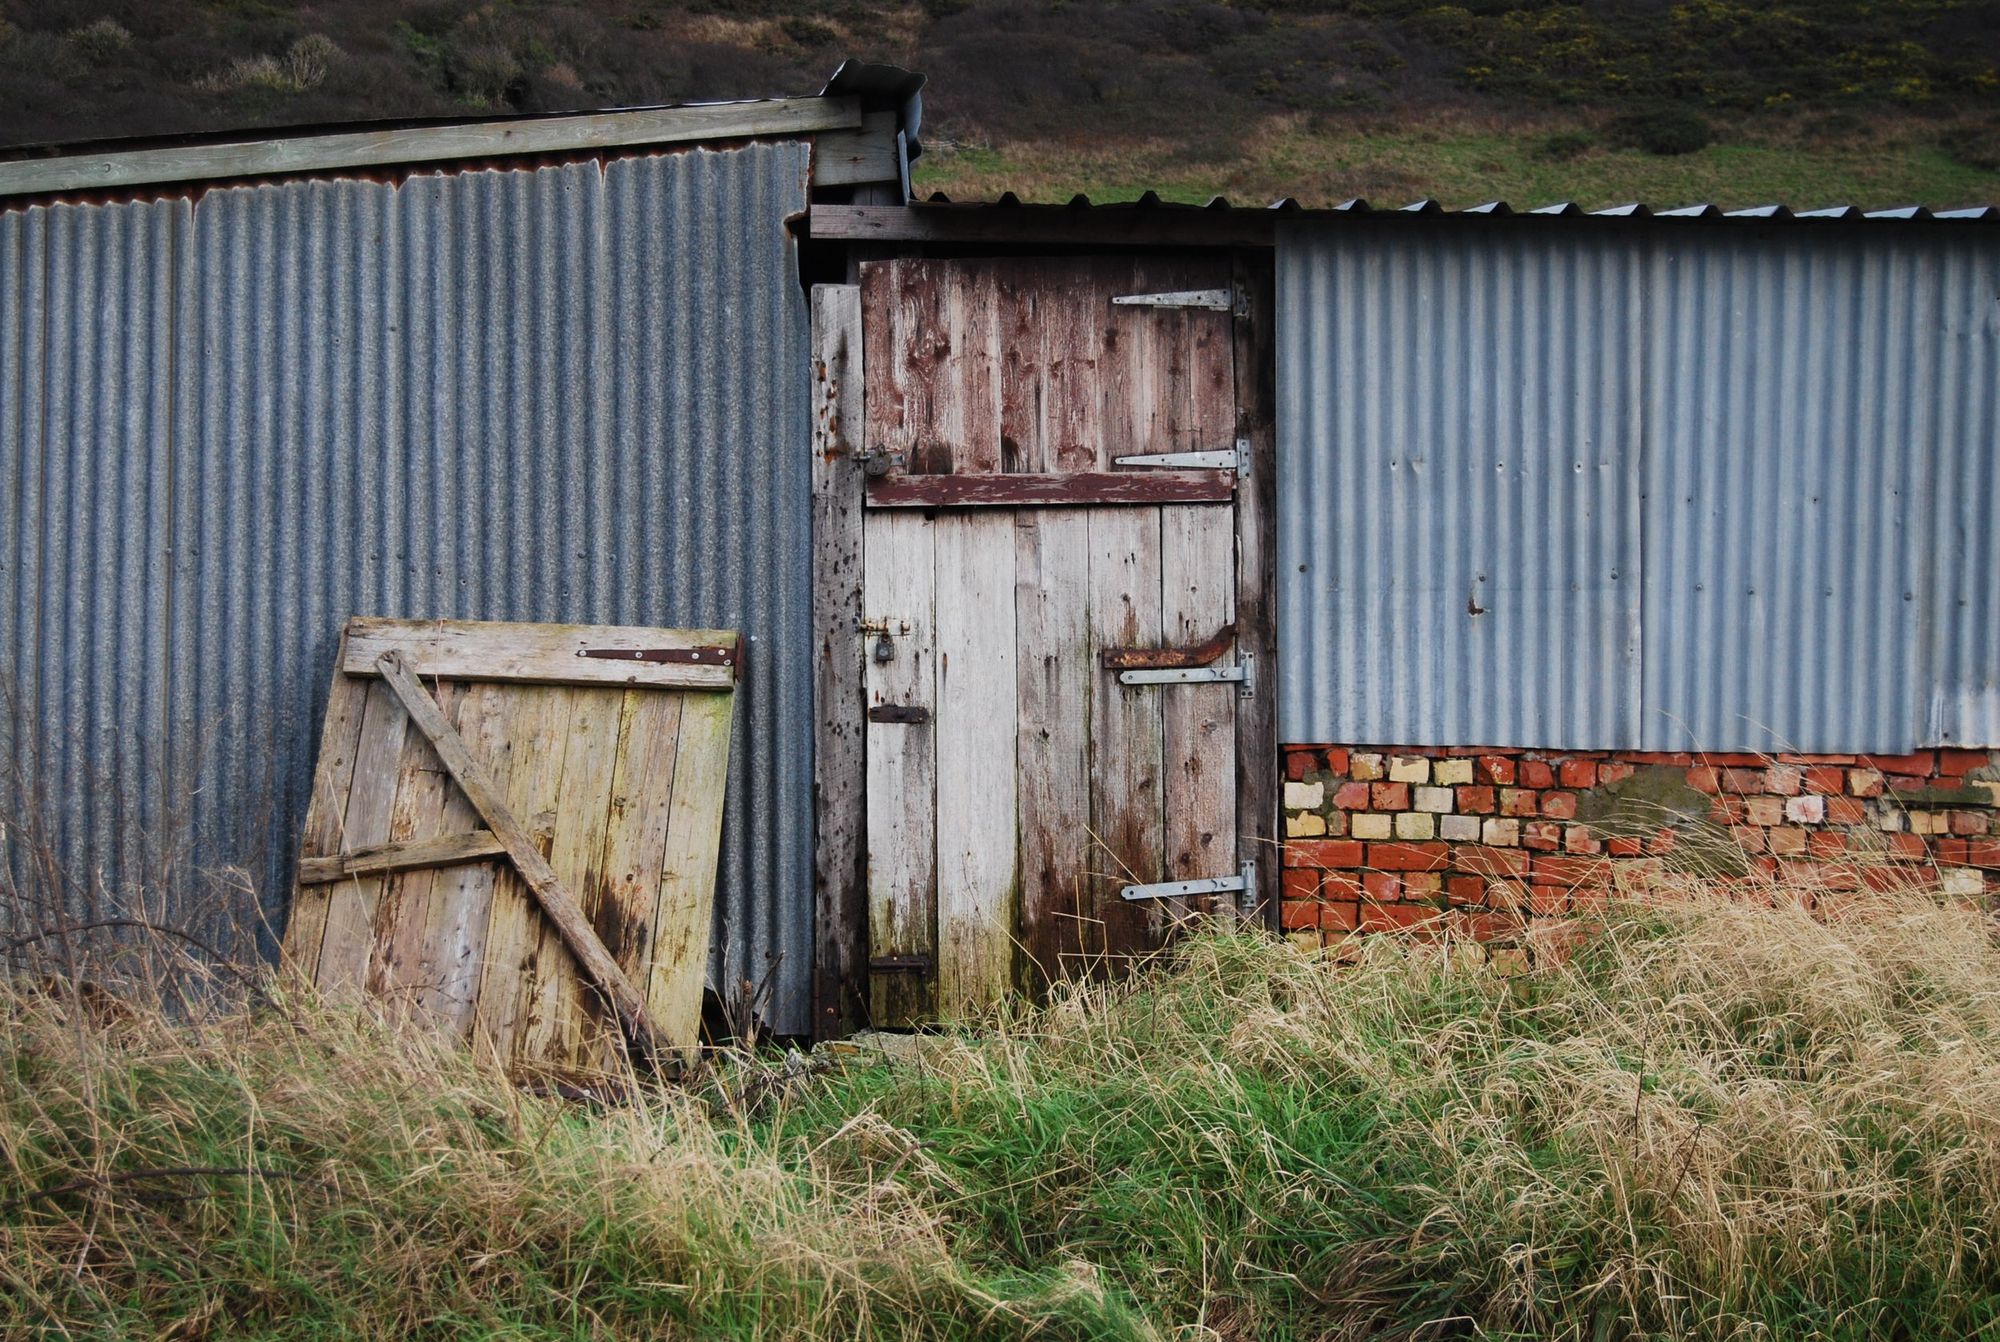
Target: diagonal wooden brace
514, 838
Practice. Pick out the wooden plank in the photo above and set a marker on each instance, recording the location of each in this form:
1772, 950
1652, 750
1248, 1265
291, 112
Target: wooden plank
406, 856
455, 935
103, 171
1060, 932
840, 888
1045, 224
635, 845
977, 889
1075, 489
326, 815
899, 560
686, 905
538, 653
1198, 592
557, 902
1126, 732
1077, 314
1255, 378
349, 939
403, 911
867, 154
562, 1015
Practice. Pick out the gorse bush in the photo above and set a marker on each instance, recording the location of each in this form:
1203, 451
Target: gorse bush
1708, 1121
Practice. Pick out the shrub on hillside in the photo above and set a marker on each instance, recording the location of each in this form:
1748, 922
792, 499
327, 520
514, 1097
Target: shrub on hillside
1664, 130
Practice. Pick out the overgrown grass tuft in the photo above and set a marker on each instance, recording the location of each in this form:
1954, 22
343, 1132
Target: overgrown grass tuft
1713, 1120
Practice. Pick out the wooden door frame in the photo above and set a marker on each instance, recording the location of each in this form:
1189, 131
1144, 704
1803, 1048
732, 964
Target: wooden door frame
840, 897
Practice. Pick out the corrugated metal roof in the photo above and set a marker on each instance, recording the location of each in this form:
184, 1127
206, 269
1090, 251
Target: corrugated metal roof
1427, 208
574, 393
1734, 490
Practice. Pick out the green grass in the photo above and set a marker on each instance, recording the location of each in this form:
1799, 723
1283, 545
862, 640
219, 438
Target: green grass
1467, 162
1711, 1121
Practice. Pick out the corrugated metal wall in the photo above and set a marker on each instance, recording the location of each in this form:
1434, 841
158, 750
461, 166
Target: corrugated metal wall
1631, 486
573, 393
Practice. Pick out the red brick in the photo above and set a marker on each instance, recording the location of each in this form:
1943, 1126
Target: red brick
1704, 778
1624, 847
1384, 887
1477, 800
1572, 871
1340, 885
1390, 797
1916, 762
1845, 811
1548, 901
1466, 890
1951, 850
1559, 805
1336, 759
1544, 835
1296, 764
1790, 757
1663, 840
1301, 883
1342, 917
1614, 773
1496, 769
1908, 845
1786, 839
1749, 838
1953, 763
1764, 810
1826, 842
1351, 796
1408, 856
1742, 780
1518, 801
1672, 759
1907, 781
1409, 915
1295, 915
1826, 779
1489, 862
1733, 759
1577, 773
1983, 852
1579, 840
1423, 885
1894, 876
1784, 779
1375, 918
1323, 853
1864, 782
1534, 774
1967, 823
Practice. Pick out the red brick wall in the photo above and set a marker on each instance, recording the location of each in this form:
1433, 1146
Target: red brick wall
1379, 837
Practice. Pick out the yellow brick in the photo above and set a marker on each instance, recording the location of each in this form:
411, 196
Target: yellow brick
1450, 772
1415, 825
1306, 825
1409, 769
1364, 767
1363, 825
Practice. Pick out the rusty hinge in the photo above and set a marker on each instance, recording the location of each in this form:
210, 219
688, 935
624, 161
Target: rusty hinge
899, 713
1158, 659
705, 656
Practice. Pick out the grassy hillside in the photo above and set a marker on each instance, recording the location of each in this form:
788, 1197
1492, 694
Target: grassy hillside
1713, 1122
1874, 101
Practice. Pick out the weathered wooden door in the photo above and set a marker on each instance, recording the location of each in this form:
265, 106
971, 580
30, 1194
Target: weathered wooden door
1028, 806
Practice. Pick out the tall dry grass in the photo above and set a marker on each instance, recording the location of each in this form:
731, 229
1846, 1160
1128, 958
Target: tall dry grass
1711, 1120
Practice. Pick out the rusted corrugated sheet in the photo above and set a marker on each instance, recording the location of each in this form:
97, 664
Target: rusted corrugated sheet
573, 393
1639, 487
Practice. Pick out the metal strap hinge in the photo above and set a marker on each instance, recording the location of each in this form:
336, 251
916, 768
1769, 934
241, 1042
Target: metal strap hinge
1222, 458
1243, 881
1212, 300
1242, 675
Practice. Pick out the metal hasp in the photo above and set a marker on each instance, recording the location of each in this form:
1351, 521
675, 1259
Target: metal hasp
710, 656
1214, 300
1242, 675
1243, 882
1235, 458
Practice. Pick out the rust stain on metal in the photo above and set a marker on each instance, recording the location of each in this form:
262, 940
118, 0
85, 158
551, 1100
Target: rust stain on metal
1170, 659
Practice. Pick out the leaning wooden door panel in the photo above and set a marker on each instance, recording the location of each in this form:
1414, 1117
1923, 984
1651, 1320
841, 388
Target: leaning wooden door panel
597, 758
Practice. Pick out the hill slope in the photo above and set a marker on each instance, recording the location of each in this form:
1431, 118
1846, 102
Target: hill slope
1872, 101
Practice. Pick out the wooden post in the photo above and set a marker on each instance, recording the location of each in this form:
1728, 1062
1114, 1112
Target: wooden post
840, 895
1256, 582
